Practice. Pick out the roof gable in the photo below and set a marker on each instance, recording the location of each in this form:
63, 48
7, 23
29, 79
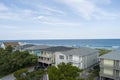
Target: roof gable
114, 55
57, 48
81, 51
13, 44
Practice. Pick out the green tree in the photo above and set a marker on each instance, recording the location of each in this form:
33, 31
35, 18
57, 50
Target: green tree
20, 74
63, 72
103, 51
9, 49
23, 74
14, 61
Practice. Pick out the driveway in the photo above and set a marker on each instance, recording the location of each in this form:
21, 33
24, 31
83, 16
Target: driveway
11, 77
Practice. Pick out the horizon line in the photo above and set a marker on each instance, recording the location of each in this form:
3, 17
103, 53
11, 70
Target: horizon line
61, 39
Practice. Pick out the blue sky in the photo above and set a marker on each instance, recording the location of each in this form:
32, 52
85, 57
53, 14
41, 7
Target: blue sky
59, 19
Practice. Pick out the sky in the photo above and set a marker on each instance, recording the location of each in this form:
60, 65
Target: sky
59, 19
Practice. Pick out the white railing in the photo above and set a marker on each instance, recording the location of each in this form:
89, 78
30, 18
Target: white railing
45, 61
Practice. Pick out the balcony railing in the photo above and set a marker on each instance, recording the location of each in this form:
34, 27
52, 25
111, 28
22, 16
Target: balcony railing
107, 76
117, 67
110, 76
44, 55
45, 61
107, 66
74, 61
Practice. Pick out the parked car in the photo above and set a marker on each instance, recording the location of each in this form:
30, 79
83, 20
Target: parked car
39, 67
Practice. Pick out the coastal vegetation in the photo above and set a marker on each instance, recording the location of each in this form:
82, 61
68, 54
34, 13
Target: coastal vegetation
63, 72
11, 61
94, 72
103, 51
23, 74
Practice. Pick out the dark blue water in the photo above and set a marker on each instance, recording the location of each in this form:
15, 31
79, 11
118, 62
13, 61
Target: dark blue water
97, 43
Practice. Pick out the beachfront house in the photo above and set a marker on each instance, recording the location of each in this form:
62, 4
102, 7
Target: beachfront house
36, 49
12, 44
47, 56
110, 66
81, 57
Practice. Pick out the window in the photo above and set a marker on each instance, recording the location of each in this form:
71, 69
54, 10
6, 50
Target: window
70, 57
41, 52
48, 59
67, 57
61, 57
80, 58
44, 53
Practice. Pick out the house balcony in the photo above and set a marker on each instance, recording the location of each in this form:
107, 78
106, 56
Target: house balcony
74, 61
116, 67
106, 66
109, 76
46, 56
45, 61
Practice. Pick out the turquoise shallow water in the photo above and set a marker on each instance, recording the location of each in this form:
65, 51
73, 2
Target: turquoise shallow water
94, 43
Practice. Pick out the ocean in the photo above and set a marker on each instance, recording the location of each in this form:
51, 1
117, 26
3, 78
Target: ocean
93, 43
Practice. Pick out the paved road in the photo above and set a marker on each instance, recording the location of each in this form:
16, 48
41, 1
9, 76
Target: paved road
11, 77
45, 77
96, 78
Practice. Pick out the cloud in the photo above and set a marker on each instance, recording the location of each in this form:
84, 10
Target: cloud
9, 13
8, 27
43, 7
3, 7
89, 9
103, 1
43, 19
51, 10
56, 21
15, 12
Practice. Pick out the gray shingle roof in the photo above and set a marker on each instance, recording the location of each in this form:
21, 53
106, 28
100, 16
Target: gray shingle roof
81, 51
37, 47
24, 46
114, 55
57, 48
13, 44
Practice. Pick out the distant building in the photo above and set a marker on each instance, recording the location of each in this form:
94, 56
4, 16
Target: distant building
23, 47
36, 49
6, 44
110, 66
79, 57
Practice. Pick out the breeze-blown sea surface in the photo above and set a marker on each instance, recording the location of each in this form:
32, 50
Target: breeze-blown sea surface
93, 43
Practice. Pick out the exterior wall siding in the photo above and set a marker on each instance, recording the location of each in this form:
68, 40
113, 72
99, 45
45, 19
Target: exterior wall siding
81, 62
58, 60
90, 60
77, 61
109, 69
